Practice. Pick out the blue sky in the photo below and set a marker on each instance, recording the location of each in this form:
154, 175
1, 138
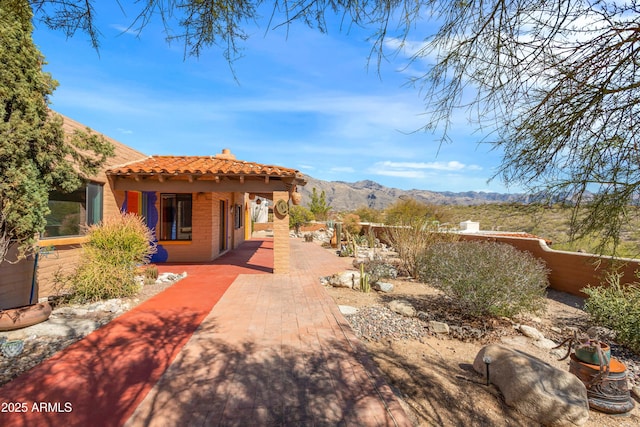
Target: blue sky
305, 100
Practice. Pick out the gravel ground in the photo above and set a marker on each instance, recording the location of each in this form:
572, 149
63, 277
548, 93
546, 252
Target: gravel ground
379, 324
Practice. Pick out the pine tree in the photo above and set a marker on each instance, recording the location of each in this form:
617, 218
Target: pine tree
318, 205
35, 155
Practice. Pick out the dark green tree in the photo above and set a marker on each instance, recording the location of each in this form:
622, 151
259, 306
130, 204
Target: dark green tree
36, 156
318, 205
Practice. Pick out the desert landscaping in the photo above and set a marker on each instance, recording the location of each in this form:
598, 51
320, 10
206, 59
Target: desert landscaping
433, 373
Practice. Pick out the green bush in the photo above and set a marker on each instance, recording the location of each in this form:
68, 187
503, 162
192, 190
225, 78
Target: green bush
108, 265
486, 278
616, 306
299, 216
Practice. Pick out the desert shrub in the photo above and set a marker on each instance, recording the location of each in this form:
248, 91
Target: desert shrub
412, 241
616, 306
351, 223
486, 278
108, 266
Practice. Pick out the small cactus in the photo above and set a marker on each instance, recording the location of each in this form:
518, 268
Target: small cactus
364, 280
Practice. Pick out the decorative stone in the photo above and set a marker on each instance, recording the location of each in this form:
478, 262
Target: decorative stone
383, 286
548, 395
402, 307
438, 327
347, 310
346, 279
602, 333
545, 343
530, 332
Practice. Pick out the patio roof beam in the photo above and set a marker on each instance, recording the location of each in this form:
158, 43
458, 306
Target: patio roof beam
184, 186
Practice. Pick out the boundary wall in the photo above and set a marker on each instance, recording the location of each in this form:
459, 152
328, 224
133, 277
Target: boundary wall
569, 271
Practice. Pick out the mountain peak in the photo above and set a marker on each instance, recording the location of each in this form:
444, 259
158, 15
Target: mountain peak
344, 196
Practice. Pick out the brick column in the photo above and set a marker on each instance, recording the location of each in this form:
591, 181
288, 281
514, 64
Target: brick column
281, 248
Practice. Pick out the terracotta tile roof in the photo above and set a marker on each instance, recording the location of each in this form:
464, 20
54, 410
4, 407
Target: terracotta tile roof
199, 165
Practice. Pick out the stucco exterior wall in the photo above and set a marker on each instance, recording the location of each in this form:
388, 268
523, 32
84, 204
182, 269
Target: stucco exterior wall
281, 247
206, 234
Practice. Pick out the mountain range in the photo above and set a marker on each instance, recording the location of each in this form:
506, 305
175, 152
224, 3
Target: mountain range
342, 196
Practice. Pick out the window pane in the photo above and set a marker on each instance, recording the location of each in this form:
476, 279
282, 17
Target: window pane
72, 213
94, 203
175, 220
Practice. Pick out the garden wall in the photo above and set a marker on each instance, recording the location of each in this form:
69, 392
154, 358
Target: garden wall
570, 271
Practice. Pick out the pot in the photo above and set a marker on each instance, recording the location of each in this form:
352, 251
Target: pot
590, 355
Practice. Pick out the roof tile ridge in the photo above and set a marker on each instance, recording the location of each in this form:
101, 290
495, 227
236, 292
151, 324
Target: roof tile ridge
122, 165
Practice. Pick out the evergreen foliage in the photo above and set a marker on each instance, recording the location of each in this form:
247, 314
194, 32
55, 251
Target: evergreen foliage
35, 155
318, 205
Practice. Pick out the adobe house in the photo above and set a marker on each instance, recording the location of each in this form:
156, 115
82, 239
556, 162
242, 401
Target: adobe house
198, 207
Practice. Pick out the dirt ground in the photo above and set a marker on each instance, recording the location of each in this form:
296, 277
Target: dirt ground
434, 376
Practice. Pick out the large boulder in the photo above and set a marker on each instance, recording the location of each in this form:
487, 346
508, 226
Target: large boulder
548, 395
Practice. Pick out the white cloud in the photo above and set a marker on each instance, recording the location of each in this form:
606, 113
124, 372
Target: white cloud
125, 30
125, 131
453, 165
342, 169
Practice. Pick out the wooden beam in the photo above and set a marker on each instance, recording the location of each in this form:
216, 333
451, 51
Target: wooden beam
205, 186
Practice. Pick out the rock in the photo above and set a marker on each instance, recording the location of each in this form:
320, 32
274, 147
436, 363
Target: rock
530, 332
347, 310
383, 286
346, 279
635, 391
423, 315
602, 333
559, 352
438, 327
402, 307
556, 330
548, 395
545, 343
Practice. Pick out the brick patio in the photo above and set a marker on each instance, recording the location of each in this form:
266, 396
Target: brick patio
274, 350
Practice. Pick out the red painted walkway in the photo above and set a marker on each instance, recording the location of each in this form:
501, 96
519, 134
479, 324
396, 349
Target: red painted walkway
264, 350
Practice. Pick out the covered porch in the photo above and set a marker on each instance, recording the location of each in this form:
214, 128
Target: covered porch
198, 206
